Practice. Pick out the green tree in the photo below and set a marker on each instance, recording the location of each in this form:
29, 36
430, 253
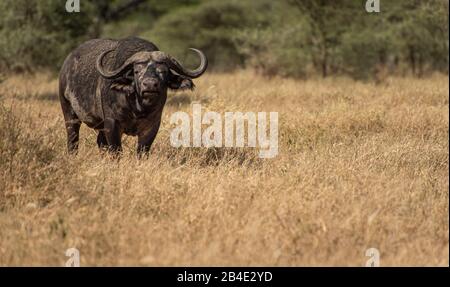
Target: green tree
423, 30
210, 26
37, 34
327, 21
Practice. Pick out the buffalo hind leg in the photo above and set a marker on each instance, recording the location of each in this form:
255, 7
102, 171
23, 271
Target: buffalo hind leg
72, 126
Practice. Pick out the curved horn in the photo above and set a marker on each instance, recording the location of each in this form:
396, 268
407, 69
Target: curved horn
177, 67
122, 69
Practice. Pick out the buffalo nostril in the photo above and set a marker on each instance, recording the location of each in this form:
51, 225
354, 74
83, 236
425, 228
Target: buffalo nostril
152, 85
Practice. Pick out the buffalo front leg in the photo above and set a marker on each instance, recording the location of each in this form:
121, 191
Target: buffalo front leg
72, 124
101, 140
146, 139
113, 135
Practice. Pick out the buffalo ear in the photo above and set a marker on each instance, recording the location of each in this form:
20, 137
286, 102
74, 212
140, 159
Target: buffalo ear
123, 84
177, 82
126, 88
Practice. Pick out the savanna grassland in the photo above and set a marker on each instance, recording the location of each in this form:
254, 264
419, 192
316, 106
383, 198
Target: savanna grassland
360, 165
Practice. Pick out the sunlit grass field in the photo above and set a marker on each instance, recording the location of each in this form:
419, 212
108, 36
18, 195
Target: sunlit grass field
360, 165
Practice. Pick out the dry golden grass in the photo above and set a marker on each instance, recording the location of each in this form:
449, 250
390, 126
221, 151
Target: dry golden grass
359, 166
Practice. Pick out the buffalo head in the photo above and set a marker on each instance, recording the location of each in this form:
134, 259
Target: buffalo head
150, 74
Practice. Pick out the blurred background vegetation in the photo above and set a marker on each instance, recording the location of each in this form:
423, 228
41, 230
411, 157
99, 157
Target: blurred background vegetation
291, 38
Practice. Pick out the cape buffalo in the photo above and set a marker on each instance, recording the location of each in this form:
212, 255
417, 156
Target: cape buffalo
120, 86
